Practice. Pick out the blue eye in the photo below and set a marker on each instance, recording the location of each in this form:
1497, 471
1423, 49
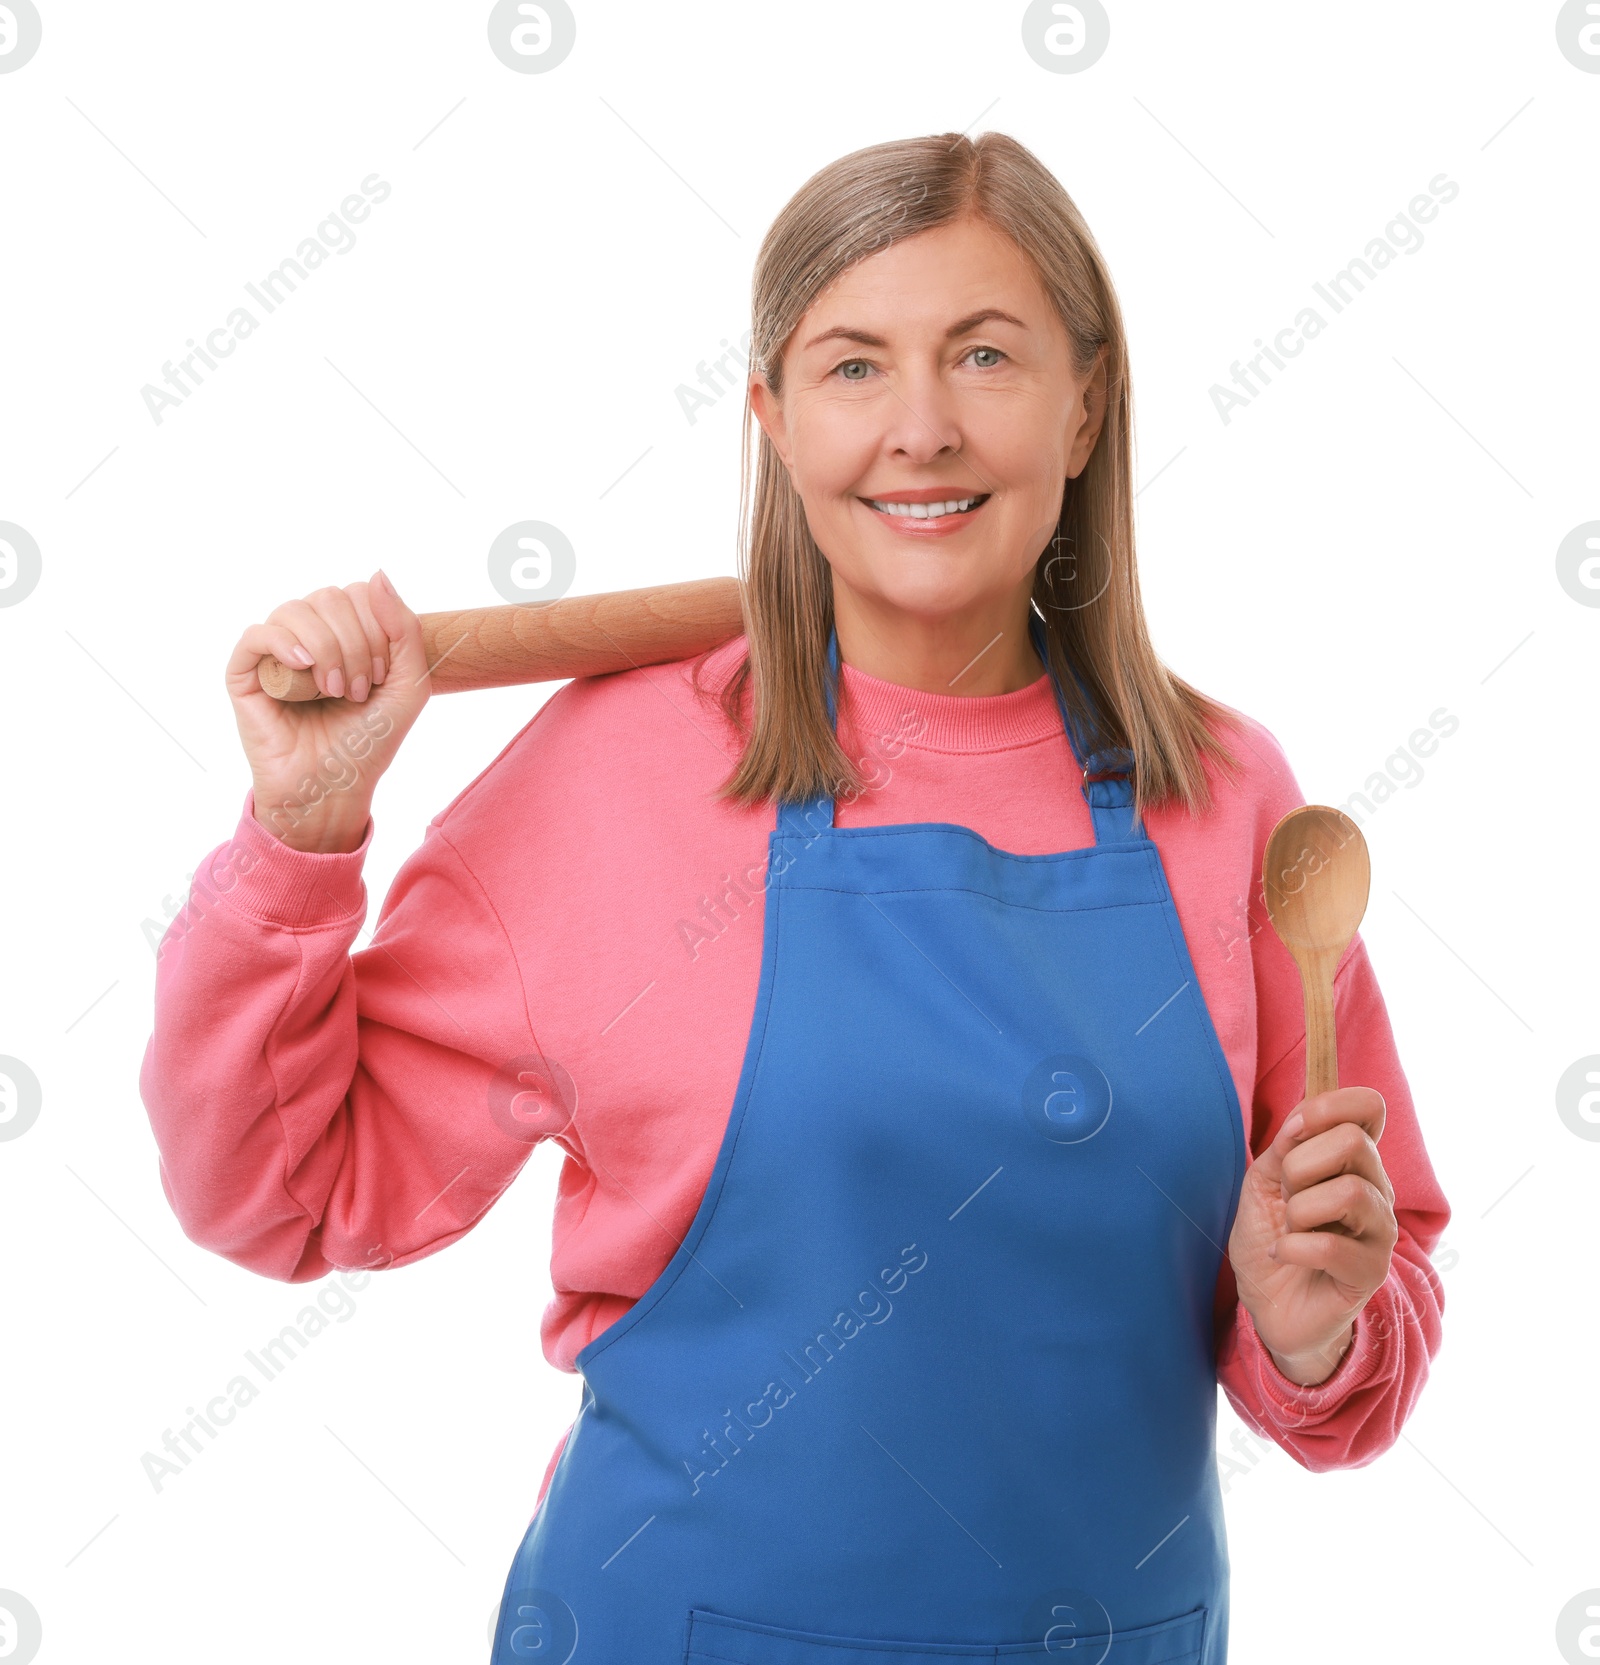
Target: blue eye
865, 364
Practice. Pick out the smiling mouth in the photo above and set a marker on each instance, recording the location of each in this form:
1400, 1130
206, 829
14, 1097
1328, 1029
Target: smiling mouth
950, 509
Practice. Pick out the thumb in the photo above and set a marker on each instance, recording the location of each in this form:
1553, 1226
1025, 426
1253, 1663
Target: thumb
408, 658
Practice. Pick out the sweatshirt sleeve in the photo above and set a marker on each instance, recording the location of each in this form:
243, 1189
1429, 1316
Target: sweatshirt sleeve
315, 1108
1357, 1412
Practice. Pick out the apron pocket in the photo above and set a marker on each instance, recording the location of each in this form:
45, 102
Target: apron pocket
717, 1639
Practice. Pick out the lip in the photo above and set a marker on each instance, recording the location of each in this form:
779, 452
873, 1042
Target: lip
945, 526
922, 494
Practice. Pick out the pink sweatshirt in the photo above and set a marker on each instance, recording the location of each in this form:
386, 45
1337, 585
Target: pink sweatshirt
589, 899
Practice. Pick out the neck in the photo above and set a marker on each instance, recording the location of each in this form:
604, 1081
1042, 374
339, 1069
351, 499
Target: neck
984, 649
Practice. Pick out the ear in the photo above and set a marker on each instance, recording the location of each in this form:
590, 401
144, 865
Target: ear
1082, 443
769, 413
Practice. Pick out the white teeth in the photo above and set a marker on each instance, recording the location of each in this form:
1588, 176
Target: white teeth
924, 511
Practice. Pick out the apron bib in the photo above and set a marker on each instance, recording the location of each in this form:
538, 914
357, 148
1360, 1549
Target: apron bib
932, 1375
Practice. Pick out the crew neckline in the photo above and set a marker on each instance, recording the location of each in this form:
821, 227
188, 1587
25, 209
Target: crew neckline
950, 722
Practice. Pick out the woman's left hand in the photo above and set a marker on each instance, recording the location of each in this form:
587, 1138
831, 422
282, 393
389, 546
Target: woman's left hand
1303, 1287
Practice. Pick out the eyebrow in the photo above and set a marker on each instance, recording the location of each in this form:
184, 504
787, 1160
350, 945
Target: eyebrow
962, 327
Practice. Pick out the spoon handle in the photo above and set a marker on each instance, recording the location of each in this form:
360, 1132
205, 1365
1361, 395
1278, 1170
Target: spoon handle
1322, 1052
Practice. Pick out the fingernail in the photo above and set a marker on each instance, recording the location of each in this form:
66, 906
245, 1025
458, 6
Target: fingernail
1295, 1123
1272, 1249
336, 682
379, 670
358, 688
383, 579
299, 656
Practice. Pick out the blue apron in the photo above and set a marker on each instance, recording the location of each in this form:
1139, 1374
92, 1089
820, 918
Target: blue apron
932, 1375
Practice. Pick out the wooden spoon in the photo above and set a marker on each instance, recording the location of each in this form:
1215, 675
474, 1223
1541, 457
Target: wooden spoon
1315, 874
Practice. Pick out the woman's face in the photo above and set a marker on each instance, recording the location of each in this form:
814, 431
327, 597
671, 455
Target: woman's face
934, 372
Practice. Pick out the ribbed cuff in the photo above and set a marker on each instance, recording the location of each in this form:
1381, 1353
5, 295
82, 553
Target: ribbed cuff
1295, 1402
259, 875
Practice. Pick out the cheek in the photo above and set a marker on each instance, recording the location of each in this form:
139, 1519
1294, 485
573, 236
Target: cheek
1035, 480
1026, 438
833, 449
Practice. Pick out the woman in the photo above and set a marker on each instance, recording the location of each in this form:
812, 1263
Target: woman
938, 877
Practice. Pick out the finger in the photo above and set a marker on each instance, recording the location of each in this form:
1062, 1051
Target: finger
1347, 1203
313, 632
355, 652
1346, 1148
1361, 1105
258, 640
377, 639
1356, 1266
349, 656
1268, 1164
408, 658
1311, 1116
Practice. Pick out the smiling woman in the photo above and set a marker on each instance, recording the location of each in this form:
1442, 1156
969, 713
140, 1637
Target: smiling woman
961, 345
983, 1024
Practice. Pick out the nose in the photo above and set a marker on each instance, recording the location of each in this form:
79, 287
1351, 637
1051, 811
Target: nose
921, 415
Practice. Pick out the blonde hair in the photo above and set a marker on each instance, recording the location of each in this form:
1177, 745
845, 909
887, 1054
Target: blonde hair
1093, 615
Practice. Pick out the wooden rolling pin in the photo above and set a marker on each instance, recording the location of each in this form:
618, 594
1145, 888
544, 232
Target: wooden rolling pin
547, 641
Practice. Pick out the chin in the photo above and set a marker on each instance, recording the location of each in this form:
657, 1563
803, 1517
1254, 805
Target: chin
927, 596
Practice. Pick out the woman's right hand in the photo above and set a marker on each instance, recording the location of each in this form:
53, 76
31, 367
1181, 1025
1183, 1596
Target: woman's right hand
316, 763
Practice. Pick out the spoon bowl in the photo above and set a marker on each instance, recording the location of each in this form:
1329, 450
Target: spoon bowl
1315, 876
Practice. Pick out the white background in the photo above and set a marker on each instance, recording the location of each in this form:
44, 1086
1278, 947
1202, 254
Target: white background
1373, 538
